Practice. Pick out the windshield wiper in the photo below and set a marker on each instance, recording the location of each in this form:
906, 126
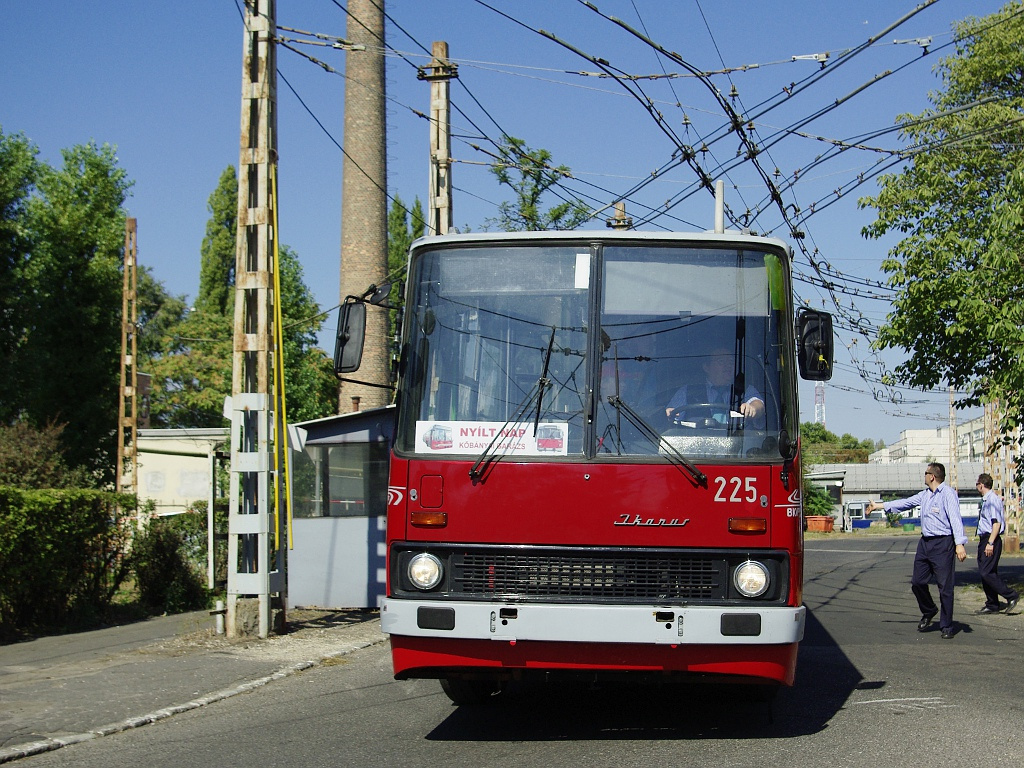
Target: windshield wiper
657, 439
488, 456
618, 411
543, 381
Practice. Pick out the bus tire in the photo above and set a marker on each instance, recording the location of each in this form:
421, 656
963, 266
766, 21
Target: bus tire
761, 693
469, 692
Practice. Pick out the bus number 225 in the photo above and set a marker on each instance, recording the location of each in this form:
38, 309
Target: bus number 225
735, 489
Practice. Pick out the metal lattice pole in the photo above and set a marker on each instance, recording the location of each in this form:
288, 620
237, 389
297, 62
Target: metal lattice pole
256, 565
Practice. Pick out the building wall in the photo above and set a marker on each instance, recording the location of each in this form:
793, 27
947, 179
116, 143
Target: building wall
174, 466
862, 483
918, 445
914, 447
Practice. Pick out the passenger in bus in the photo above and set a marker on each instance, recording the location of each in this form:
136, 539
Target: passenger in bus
719, 389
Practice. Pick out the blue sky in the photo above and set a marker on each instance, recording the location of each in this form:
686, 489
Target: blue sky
162, 83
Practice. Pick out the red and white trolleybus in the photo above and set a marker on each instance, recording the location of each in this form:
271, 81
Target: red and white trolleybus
661, 530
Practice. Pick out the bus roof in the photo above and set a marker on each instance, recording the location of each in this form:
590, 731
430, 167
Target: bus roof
729, 237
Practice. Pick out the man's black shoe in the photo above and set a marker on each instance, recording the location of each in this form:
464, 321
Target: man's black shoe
947, 634
986, 610
1012, 604
925, 622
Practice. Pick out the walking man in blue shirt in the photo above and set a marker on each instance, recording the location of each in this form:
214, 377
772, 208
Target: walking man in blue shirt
991, 524
942, 538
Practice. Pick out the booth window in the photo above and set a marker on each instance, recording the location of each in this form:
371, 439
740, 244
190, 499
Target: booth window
343, 480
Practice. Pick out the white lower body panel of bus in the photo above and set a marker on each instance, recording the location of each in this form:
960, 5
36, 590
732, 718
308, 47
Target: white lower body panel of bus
696, 625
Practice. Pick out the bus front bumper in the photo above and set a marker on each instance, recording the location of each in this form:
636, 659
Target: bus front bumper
633, 624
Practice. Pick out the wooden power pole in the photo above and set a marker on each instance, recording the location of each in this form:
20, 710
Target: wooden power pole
128, 412
256, 557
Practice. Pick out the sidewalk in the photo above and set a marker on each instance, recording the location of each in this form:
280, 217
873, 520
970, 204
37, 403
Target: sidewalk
62, 690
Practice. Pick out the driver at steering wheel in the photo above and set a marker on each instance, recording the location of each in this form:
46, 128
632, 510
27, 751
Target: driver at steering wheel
719, 389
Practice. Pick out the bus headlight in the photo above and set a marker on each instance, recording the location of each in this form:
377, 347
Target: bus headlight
425, 571
751, 579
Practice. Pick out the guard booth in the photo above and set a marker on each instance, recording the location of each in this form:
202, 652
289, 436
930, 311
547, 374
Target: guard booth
339, 501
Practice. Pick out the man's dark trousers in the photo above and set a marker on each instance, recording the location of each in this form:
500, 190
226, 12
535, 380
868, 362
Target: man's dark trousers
935, 558
991, 581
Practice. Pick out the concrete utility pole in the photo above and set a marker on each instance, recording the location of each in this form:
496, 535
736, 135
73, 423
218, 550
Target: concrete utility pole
951, 478
439, 201
256, 557
620, 220
128, 413
364, 209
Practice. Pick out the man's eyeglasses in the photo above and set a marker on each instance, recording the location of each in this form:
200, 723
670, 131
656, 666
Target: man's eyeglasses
928, 474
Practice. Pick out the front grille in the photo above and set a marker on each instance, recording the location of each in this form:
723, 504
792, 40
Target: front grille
602, 576
619, 575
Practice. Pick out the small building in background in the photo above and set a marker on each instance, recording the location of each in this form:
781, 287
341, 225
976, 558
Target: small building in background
915, 446
339, 486
853, 486
176, 466
340, 501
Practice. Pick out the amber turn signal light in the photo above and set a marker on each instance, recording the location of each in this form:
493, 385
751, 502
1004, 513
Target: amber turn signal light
748, 525
431, 519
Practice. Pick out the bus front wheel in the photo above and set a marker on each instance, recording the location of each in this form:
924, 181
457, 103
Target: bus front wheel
469, 692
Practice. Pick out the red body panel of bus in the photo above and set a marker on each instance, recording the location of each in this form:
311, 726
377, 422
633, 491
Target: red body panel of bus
597, 504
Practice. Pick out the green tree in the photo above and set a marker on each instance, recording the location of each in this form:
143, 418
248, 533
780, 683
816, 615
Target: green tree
158, 312
32, 459
812, 432
536, 177
958, 206
816, 500
311, 389
217, 268
61, 266
417, 219
67, 365
18, 171
820, 446
192, 370
404, 226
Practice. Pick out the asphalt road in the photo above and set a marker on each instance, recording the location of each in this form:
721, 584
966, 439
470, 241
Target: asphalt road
870, 691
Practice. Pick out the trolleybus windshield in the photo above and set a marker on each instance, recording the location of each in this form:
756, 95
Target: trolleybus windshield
640, 326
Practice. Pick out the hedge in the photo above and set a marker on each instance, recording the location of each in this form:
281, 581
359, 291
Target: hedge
62, 555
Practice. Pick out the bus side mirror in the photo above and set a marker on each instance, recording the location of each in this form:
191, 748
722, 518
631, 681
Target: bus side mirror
348, 347
814, 344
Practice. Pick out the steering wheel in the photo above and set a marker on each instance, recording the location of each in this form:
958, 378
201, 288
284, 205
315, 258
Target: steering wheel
705, 416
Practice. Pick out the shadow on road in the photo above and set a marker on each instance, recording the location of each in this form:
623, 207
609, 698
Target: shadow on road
559, 712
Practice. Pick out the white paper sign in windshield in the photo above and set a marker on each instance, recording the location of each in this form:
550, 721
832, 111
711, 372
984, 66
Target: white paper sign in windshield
449, 437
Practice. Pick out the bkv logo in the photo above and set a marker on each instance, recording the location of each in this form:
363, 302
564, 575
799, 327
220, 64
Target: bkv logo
792, 504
